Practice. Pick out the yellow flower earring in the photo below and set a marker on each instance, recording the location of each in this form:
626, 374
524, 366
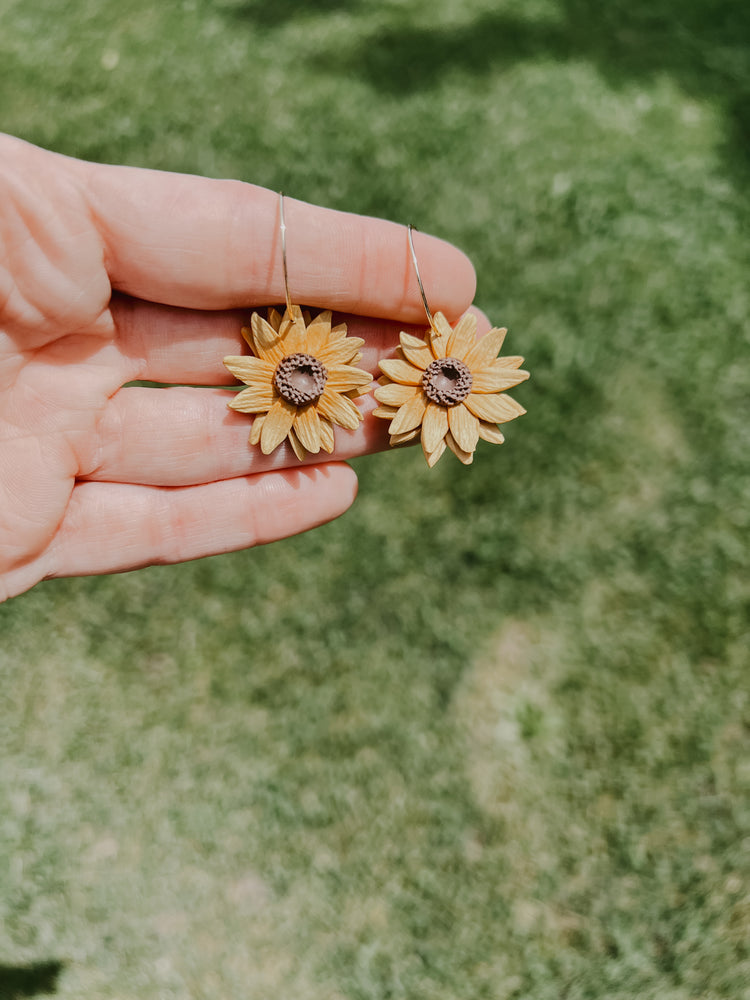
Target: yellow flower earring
300, 378
448, 389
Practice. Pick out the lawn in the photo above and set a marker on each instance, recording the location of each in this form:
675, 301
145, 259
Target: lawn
488, 735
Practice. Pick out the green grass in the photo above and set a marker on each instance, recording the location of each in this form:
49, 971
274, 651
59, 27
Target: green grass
488, 735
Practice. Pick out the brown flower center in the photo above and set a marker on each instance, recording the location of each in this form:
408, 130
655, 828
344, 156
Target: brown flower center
300, 379
446, 381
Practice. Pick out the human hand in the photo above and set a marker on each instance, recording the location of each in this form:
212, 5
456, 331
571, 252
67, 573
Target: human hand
112, 274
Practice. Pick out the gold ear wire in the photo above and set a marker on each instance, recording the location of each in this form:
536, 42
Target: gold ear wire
431, 321
282, 227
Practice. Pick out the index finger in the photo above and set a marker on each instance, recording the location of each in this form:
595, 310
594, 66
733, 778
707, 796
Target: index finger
215, 244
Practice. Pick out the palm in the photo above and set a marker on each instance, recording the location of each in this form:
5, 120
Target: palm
98, 478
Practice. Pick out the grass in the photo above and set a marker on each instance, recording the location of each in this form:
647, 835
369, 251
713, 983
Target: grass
488, 735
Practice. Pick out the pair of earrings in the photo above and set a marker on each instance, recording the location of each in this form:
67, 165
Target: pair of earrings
301, 379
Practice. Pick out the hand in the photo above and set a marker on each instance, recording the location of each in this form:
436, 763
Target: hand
112, 274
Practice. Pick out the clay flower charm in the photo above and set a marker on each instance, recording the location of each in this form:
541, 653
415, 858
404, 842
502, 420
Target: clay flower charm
449, 389
300, 380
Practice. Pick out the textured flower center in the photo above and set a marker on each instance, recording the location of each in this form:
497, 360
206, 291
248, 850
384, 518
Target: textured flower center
446, 382
300, 379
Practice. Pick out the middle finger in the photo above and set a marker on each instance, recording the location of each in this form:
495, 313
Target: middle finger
187, 346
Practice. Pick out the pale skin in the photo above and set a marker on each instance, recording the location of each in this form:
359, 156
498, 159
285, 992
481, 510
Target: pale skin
111, 274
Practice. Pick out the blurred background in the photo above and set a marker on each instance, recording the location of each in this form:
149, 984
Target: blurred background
488, 735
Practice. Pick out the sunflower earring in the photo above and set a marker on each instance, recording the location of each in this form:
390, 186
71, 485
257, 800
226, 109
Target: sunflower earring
300, 378
448, 389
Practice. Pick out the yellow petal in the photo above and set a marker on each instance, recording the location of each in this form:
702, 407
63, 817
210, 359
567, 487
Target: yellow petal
286, 323
326, 435
294, 314
394, 394
497, 380
297, 448
434, 426
295, 337
360, 391
397, 439
490, 432
486, 348
415, 350
410, 415
401, 371
247, 333
442, 327
254, 399
274, 318
386, 412
267, 342
318, 332
307, 428
495, 409
435, 455
256, 429
463, 337
464, 427
339, 409
467, 457
509, 361
277, 425
440, 335
340, 352
342, 378
251, 370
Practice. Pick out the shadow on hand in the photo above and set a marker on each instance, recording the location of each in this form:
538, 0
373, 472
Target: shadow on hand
19, 981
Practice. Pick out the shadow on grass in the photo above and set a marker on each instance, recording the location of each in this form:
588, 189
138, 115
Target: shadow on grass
18, 981
271, 15
703, 44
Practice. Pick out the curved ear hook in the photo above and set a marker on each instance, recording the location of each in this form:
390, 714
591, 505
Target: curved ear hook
411, 229
282, 226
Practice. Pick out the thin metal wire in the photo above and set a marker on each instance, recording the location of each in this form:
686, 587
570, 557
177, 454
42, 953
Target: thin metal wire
411, 229
282, 225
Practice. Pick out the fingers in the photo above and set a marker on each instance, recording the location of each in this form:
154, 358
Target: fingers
110, 528
215, 244
182, 436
